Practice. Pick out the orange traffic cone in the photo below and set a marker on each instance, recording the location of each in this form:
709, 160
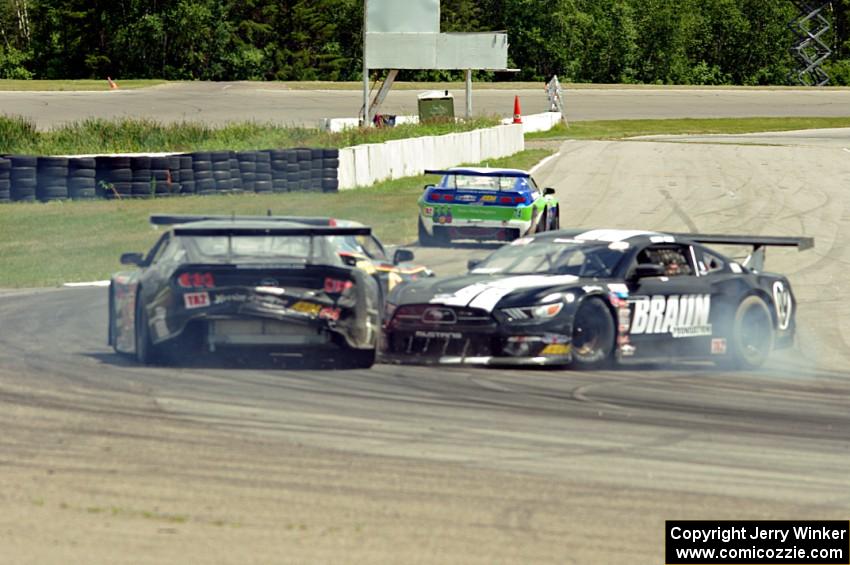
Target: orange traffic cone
112, 84
517, 111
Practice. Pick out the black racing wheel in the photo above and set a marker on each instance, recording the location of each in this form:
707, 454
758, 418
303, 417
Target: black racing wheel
146, 352
752, 334
440, 237
593, 335
543, 223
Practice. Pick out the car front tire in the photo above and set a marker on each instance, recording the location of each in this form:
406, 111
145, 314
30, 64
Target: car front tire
593, 335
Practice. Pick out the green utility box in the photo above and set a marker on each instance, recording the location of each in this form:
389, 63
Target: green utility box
436, 105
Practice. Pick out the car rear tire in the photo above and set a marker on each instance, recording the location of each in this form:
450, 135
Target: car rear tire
111, 338
752, 334
440, 237
359, 359
593, 335
543, 224
146, 352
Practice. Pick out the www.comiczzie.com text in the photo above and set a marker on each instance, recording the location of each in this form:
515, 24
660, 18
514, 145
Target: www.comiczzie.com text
758, 542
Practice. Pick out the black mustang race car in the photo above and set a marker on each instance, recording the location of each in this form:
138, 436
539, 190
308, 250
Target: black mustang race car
583, 298
250, 282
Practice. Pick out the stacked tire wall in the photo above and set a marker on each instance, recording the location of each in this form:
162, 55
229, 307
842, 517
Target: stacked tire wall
27, 178
5, 179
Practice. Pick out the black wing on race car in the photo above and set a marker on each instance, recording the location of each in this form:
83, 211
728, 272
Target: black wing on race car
507, 173
174, 219
758, 243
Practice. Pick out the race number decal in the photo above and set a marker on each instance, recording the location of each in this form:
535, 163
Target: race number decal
193, 300
784, 304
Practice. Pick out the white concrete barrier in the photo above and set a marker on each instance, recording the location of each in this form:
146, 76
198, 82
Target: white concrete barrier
537, 122
411, 157
336, 125
394, 154
347, 170
362, 172
379, 164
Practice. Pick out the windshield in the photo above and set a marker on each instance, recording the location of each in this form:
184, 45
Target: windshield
570, 258
473, 182
302, 249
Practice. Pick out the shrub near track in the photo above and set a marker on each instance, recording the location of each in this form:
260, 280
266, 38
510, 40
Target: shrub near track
19, 135
49, 244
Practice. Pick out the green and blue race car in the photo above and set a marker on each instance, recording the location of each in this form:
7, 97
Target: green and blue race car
485, 204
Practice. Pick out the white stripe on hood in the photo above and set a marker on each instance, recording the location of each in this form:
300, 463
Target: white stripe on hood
486, 295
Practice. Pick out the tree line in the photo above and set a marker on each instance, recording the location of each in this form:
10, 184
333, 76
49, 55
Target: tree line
602, 41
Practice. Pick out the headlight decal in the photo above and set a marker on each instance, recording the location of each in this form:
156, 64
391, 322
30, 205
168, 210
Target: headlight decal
547, 311
539, 312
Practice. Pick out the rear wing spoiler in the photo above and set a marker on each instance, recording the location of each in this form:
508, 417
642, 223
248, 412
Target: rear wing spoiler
264, 231
471, 173
173, 219
759, 244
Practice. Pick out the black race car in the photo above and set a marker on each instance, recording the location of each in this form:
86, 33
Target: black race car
260, 283
365, 252
584, 298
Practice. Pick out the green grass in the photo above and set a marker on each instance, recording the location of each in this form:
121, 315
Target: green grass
101, 84
50, 244
19, 135
357, 85
73, 85
619, 129
519, 85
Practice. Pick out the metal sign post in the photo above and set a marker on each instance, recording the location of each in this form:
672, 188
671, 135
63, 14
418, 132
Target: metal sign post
406, 35
366, 121
468, 93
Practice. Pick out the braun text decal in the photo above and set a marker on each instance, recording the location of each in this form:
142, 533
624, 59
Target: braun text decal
680, 315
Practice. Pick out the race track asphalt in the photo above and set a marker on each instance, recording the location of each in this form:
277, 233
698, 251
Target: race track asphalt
218, 103
110, 462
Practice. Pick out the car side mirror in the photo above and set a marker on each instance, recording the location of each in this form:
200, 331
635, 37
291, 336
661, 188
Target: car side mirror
132, 259
649, 270
548, 191
472, 264
402, 256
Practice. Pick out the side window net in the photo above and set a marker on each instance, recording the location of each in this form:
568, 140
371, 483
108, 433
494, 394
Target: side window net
711, 263
673, 259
